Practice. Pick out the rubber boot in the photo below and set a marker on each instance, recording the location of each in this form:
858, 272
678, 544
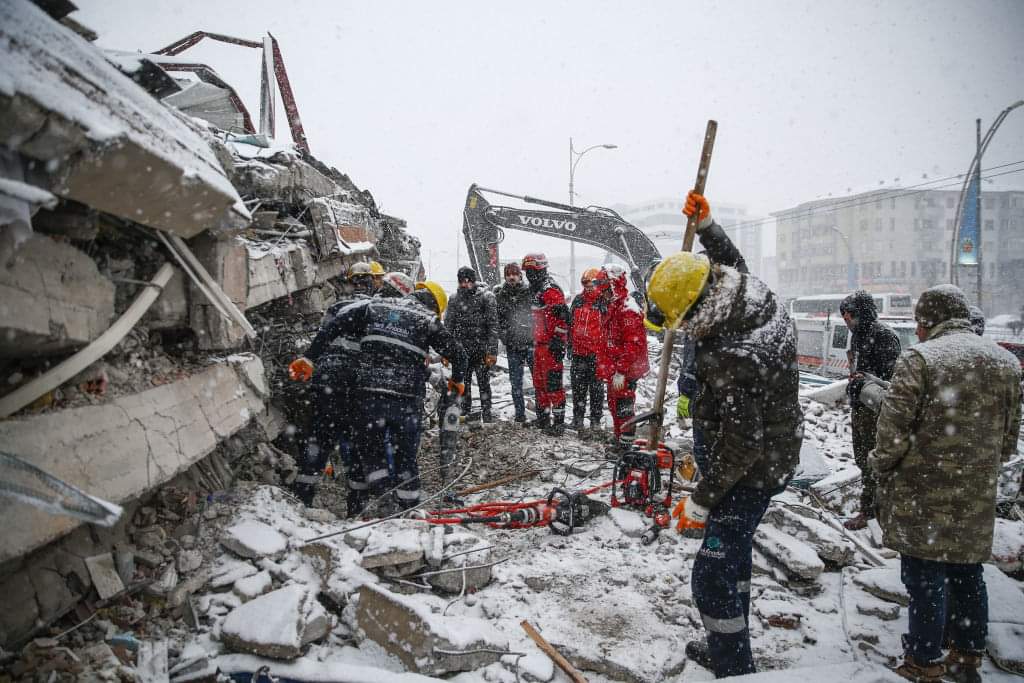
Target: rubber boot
911, 670
577, 425
557, 427
488, 417
963, 666
543, 420
305, 493
856, 523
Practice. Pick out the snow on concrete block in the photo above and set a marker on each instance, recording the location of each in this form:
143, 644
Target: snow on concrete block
254, 540
318, 623
885, 583
189, 561
104, 575
272, 625
1005, 599
393, 543
830, 545
1008, 545
779, 613
252, 586
630, 522
871, 606
425, 643
851, 672
52, 299
796, 557
1006, 646
229, 570
473, 579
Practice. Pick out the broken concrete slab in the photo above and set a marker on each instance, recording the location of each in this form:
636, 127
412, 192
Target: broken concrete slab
425, 643
272, 625
104, 575
120, 449
1008, 546
1006, 646
778, 613
189, 561
52, 299
20, 614
253, 586
796, 557
829, 544
885, 583
393, 543
463, 549
228, 570
254, 540
871, 606
1005, 599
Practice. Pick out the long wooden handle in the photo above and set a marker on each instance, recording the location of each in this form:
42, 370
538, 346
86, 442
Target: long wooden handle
702, 177
497, 482
555, 655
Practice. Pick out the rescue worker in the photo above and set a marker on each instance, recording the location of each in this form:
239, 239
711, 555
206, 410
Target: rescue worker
334, 391
550, 332
950, 417
395, 337
586, 342
874, 348
748, 409
624, 357
378, 272
472, 318
977, 321
395, 285
515, 330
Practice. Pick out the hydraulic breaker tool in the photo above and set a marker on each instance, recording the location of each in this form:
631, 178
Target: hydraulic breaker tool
563, 511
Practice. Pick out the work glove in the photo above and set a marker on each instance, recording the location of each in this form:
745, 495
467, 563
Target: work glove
300, 369
557, 347
457, 387
618, 381
690, 515
696, 202
490, 360
683, 406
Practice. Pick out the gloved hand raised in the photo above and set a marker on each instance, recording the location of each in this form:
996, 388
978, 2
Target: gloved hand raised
697, 202
457, 387
690, 515
300, 369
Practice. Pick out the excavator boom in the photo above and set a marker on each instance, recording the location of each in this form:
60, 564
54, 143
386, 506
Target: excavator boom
484, 225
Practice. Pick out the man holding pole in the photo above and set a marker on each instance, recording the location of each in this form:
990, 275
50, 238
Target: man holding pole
748, 409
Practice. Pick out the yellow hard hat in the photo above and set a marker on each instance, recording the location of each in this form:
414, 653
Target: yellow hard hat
376, 268
439, 294
677, 283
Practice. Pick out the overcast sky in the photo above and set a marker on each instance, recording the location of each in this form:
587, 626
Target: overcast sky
416, 100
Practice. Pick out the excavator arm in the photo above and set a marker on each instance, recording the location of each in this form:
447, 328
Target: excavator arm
484, 225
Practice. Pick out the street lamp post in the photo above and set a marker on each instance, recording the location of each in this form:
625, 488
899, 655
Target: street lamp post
851, 268
574, 159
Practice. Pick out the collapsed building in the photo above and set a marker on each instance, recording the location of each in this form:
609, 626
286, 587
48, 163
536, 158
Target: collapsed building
156, 260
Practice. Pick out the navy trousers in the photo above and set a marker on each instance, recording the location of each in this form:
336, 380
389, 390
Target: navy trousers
393, 426
944, 597
721, 578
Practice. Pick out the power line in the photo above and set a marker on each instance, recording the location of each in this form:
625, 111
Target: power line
895, 193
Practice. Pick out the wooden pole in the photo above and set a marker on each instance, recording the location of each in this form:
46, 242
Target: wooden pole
666, 347
554, 654
497, 482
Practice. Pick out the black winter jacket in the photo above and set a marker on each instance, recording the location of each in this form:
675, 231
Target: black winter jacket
747, 401
472, 318
874, 347
515, 315
395, 337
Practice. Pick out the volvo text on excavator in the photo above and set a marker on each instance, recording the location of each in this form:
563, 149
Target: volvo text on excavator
484, 225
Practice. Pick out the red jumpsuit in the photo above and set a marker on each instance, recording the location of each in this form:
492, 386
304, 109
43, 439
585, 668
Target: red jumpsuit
550, 330
626, 354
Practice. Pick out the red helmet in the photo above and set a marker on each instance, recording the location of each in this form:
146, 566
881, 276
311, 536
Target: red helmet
611, 274
536, 261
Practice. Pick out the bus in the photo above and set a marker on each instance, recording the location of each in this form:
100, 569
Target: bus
889, 304
822, 343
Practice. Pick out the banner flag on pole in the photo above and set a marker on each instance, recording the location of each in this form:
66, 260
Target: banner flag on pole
969, 238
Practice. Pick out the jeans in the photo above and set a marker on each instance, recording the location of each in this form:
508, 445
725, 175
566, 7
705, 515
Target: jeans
941, 589
863, 424
482, 371
517, 360
721, 578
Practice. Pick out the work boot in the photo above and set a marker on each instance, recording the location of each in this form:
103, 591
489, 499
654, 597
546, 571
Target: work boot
543, 420
911, 670
963, 666
557, 427
577, 425
857, 523
488, 417
697, 651
519, 419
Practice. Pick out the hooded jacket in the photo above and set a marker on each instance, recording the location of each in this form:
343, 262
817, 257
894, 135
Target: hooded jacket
747, 401
874, 347
625, 350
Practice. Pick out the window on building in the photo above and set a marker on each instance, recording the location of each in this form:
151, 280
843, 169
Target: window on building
913, 269
989, 203
892, 225
949, 225
878, 224
917, 224
927, 224
903, 268
929, 201
892, 204
989, 224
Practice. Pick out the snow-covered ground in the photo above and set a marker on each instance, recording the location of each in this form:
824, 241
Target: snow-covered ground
617, 609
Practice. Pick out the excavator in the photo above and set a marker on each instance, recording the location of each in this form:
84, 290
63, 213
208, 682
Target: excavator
484, 225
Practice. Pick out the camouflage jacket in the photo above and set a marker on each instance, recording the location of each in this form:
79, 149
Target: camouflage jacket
950, 417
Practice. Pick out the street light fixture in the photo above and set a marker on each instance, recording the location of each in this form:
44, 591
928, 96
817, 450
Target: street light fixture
851, 268
574, 160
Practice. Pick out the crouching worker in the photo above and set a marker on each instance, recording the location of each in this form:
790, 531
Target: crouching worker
950, 416
334, 389
748, 411
395, 338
